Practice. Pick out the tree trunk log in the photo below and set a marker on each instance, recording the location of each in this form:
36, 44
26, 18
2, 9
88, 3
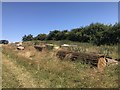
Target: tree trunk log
84, 57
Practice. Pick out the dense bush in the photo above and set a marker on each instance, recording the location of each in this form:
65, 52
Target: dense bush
95, 33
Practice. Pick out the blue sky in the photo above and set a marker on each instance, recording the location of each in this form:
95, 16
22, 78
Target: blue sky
22, 18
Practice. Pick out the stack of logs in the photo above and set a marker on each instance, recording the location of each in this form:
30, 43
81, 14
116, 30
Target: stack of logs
39, 48
97, 60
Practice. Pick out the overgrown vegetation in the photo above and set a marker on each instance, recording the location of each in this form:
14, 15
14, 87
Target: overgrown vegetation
96, 33
51, 72
9, 79
108, 50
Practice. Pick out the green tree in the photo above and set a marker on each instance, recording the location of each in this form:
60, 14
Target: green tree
96, 33
27, 37
53, 35
40, 37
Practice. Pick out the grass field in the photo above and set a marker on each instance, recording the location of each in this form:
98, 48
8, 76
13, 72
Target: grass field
45, 70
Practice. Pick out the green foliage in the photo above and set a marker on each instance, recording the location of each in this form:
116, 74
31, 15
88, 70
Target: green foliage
27, 38
96, 33
40, 37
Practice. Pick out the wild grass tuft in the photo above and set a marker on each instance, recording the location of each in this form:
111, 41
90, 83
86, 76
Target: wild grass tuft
51, 72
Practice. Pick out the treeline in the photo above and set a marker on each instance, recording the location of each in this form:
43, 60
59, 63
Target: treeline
95, 33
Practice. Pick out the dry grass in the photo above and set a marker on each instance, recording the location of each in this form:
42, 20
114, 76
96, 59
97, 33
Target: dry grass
54, 73
24, 78
9, 79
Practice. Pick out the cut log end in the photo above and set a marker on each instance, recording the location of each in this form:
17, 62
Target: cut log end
101, 64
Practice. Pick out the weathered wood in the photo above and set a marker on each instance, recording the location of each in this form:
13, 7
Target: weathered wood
111, 61
85, 57
39, 48
118, 59
20, 48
